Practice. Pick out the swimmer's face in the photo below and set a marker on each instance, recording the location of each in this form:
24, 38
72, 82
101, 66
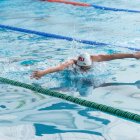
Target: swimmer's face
85, 68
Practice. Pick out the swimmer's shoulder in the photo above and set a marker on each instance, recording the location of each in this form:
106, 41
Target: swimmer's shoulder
71, 61
68, 63
95, 58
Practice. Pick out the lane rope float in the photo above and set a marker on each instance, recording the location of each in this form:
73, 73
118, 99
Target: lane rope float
93, 5
100, 107
48, 35
70, 2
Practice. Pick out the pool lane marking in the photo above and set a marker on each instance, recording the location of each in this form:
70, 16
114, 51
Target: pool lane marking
93, 5
48, 35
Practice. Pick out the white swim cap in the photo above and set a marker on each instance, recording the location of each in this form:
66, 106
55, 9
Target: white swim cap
84, 60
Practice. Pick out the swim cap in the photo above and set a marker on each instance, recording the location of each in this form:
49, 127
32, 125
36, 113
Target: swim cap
84, 60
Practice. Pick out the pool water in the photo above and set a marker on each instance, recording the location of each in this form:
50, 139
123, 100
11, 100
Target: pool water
31, 116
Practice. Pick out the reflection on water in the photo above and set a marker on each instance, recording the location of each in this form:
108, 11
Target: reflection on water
48, 116
137, 84
62, 117
45, 129
83, 83
62, 106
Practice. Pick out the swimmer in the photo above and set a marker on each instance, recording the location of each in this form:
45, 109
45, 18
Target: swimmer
83, 62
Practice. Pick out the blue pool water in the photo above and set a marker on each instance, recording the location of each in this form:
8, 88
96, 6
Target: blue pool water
31, 116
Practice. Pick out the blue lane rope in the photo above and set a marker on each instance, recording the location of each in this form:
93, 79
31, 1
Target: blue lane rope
114, 9
98, 44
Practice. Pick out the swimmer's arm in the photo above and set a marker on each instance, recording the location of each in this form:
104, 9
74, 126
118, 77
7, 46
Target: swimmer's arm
60, 67
100, 58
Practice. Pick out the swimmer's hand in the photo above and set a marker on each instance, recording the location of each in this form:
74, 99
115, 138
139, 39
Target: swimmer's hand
37, 75
137, 55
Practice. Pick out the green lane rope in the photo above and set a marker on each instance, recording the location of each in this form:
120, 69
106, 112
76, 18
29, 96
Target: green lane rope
107, 109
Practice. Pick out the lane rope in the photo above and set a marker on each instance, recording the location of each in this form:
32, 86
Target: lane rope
93, 105
70, 2
48, 35
93, 5
114, 9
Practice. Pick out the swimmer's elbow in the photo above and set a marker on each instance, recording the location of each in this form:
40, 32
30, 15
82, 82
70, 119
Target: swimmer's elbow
61, 68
